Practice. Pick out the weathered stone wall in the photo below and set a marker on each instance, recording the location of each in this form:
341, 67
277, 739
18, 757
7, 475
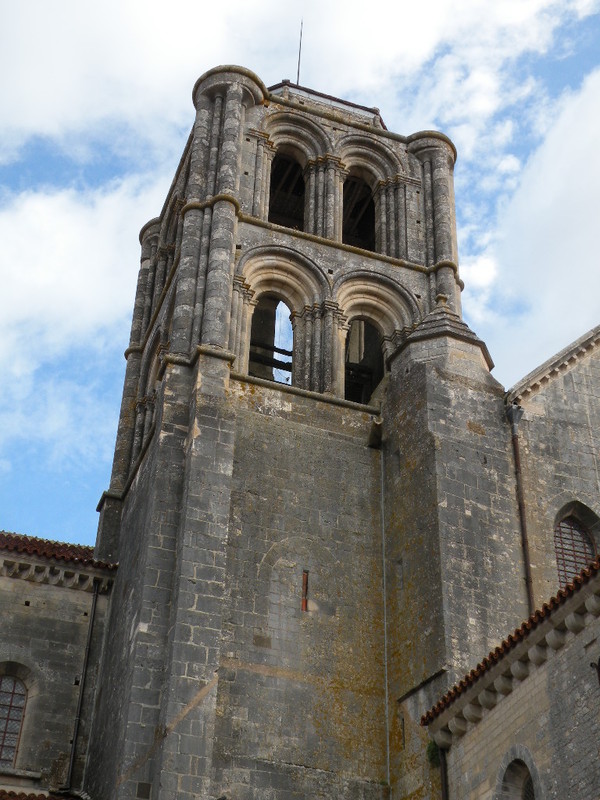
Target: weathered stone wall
304, 689
549, 721
560, 446
217, 673
127, 720
44, 634
455, 580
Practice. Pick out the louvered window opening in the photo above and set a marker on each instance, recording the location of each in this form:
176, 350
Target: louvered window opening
574, 549
12, 707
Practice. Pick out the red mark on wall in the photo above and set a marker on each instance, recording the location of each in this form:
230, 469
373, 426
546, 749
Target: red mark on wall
305, 590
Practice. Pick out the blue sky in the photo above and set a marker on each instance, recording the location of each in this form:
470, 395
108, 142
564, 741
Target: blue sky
96, 108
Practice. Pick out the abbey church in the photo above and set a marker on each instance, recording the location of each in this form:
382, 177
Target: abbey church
336, 559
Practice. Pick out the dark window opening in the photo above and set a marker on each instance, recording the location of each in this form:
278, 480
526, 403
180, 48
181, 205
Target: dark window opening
528, 793
364, 361
286, 199
358, 228
12, 707
518, 782
574, 549
271, 341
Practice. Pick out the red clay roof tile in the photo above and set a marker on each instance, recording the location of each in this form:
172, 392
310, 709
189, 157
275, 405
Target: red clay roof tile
511, 641
8, 794
61, 551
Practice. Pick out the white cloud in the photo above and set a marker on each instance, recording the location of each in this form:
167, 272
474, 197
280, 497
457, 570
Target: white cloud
69, 265
74, 65
116, 79
547, 288
68, 270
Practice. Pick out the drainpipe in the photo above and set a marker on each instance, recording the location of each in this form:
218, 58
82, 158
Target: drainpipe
514, 413
86, 656
443, 773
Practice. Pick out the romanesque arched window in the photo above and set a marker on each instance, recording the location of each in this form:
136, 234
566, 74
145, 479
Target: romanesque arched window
518, 782
358, 223
271, 341
12, 707
574, 548
363, 362
286, 198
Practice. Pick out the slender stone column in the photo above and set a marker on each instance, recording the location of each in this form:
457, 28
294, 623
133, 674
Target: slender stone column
320, 210
299, 331
401, 221
381, 228
340, 176
316, 373
327, 346
428, 203
141, 314
258, 175
215, 323
249, 306
437, 155
392, 220
236, 304
127, 421
310, 192
307, 316
443, 205
159, 276
343, 333
330, 205
140, 414
181, 333
268, 156
204, 216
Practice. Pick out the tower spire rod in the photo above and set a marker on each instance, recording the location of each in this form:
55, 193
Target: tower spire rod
299, 54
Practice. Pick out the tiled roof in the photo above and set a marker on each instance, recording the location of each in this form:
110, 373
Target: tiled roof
61, 551
10, 795
511, 641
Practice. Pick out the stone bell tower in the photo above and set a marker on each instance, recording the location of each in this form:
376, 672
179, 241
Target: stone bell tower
298, 574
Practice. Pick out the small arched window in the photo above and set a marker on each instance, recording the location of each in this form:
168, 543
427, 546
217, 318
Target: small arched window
358, 225
271, 341
517, 783
286, 198
364, 361
12, 707
574, 548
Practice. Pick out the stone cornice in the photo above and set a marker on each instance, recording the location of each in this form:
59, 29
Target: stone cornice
557, 365
69, 576
517, 658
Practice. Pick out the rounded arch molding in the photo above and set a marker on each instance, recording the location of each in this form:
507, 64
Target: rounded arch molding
367, 155
291, 276
376, 297
302, 285
297, 135
28, 675
518, 752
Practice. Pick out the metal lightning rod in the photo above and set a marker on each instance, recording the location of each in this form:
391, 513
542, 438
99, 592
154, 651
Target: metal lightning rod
299, 54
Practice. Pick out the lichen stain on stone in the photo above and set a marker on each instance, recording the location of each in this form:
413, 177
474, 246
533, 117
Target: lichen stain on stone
475, 427
350, 706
